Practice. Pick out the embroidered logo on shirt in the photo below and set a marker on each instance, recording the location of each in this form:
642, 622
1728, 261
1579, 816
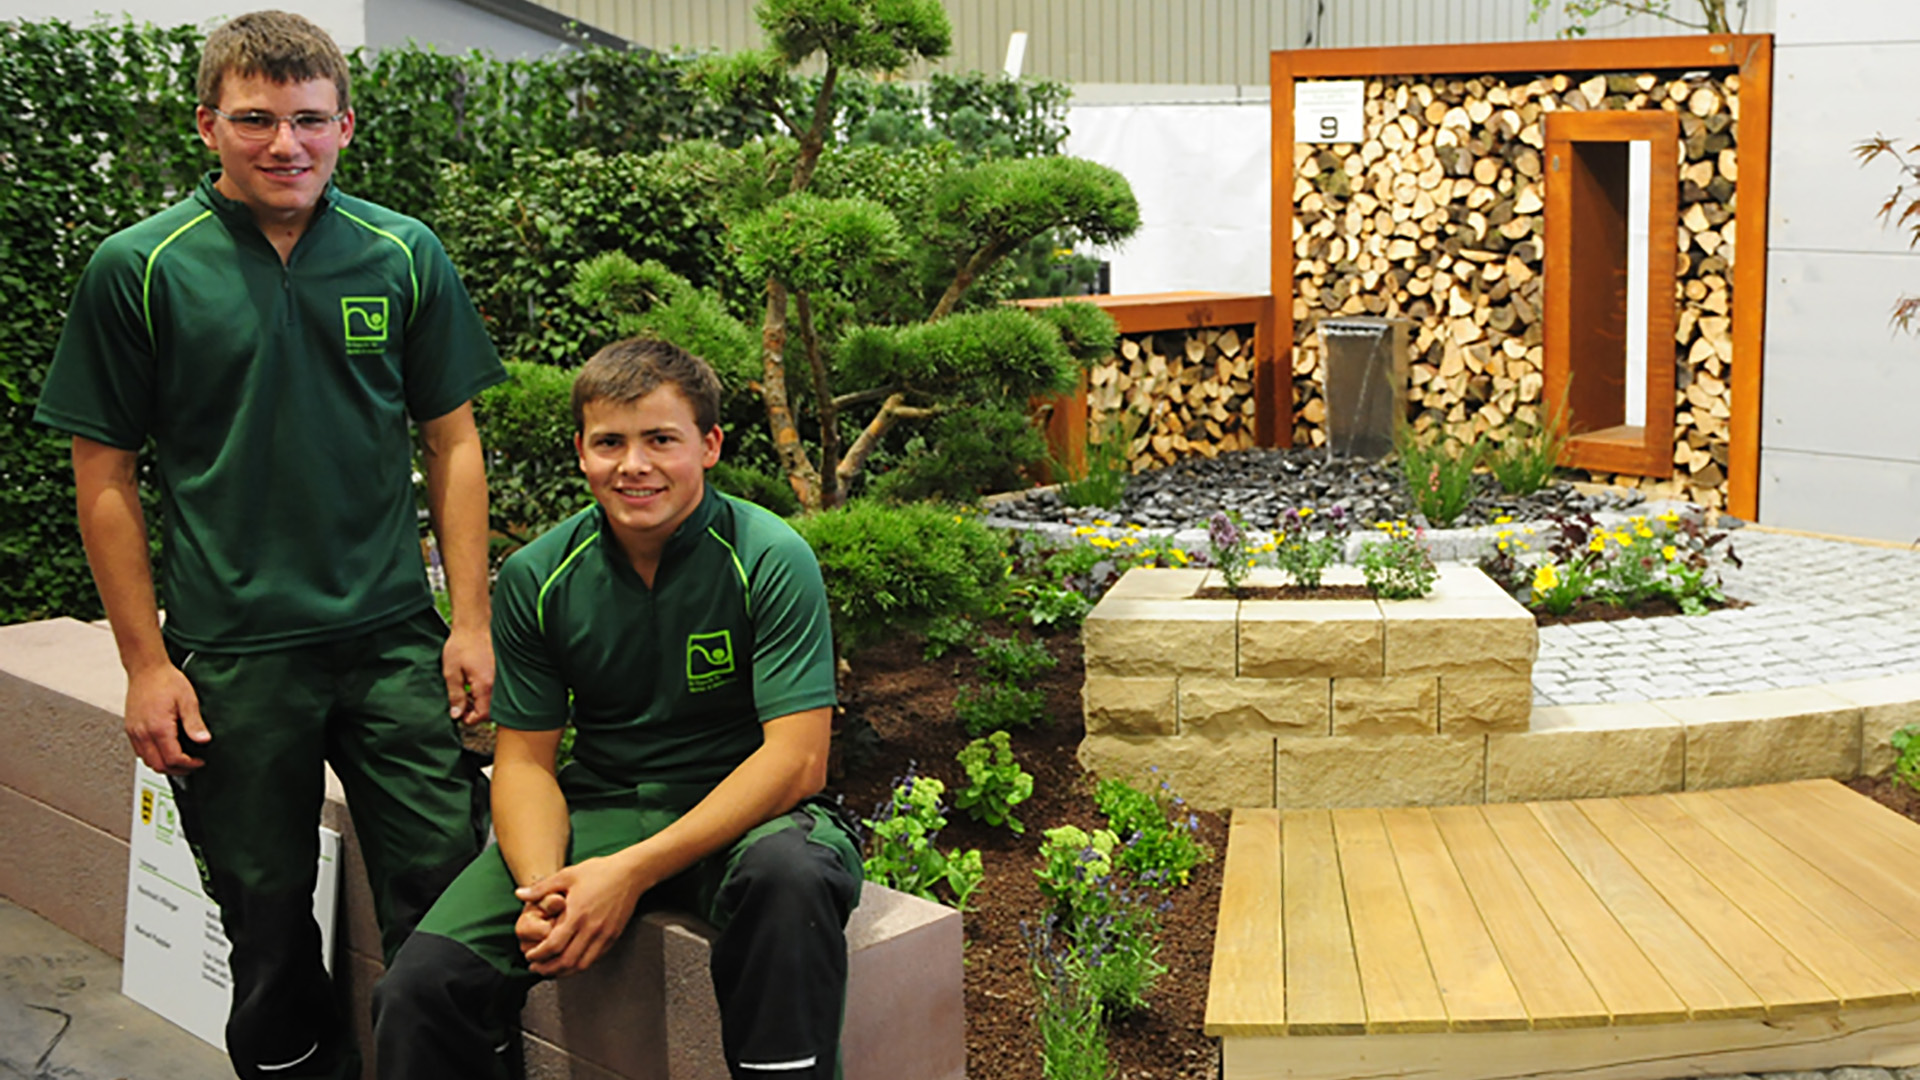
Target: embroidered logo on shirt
364, 320
709, 660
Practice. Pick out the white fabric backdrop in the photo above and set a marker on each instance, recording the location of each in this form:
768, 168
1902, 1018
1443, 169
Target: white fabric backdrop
1200, 173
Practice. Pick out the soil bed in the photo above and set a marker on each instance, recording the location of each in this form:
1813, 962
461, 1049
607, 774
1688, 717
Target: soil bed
899, 715
1286, 592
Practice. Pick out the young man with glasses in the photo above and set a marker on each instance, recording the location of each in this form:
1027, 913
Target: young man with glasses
273, 337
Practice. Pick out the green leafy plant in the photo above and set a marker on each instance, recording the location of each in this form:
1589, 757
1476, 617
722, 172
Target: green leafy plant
1070, 857
995, 781
1671, 554
1112, 921
900, 845
1159, 844
1438, 472
945, 633
1524, 459
1073, 1039
1397, 566
1010, 660
998, 707
1109, 463
893, 568
1906, 763
1305, 553
1230, 547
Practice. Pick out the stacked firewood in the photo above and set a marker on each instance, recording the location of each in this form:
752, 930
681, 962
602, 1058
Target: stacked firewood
1192, 389
1436, 217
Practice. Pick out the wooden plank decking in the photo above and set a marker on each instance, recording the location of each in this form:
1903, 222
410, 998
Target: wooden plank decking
1751, 929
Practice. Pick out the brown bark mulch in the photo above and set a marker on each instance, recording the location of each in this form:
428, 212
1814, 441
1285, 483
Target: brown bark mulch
907, 702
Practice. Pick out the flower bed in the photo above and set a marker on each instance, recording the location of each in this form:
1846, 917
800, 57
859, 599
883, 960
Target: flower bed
1203, 688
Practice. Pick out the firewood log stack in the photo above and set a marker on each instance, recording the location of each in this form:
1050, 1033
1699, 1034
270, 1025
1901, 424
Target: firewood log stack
1437, 217
1194, 389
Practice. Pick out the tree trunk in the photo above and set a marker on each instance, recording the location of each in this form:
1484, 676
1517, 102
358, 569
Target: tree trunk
969, 272
895, 408
773, 390
831, 491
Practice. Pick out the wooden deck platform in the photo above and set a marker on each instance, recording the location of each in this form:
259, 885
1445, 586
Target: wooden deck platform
1703, 933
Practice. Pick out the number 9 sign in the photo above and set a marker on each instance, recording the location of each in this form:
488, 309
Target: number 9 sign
1329, 111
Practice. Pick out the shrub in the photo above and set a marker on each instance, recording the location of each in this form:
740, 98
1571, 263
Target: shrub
533, 473
967, 453
1010, 660
893, 568
998, 707
749, 483
995, 782
900, 845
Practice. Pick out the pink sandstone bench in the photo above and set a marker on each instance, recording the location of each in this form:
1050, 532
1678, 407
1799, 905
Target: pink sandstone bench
646, 1013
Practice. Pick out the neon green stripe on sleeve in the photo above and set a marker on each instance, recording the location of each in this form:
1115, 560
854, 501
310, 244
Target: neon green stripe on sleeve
746, 587
540, 599
146, 279
412, 274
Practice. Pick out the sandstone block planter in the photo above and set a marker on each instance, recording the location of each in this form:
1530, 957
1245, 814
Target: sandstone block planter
1219, 694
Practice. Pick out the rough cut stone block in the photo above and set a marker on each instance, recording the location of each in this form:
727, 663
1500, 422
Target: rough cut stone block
1587, 752
1150, 583
1160, 637
1459, 635
647, 1010
1886, 705
1472, 704
1211, 774
1766, 737
1309, 639
62, 696
1406, 705
1124, 706
1389, 770
1221, 707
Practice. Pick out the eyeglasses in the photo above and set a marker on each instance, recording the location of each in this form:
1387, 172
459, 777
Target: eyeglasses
261, 126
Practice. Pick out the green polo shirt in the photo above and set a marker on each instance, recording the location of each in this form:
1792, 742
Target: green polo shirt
669, 685
277, 397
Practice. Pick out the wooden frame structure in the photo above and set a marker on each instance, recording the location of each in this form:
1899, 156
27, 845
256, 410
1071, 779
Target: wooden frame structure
1144, 313
1750, 54
1573, 223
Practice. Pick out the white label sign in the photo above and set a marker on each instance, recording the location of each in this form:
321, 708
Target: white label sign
176, 953
1329, 112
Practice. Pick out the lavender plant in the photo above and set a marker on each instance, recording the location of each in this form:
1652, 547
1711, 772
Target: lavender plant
900, 845
1073, 1039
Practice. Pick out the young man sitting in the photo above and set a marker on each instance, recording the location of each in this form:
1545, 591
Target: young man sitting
684, 635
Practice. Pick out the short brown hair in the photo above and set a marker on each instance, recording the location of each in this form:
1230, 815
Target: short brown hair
632, 368
278, 46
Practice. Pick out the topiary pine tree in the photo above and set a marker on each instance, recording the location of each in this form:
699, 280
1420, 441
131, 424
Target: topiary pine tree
869, 255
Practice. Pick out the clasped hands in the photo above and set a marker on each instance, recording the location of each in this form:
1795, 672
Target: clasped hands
570, 918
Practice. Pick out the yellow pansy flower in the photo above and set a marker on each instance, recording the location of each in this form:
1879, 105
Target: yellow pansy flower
1669, 552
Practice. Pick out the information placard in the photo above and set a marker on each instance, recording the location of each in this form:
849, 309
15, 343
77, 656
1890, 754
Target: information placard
1329, 111
176, 953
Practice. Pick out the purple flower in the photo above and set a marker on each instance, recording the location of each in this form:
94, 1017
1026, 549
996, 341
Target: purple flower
1221, 531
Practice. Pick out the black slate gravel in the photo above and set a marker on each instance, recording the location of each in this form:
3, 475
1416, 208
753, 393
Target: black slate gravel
1262, 484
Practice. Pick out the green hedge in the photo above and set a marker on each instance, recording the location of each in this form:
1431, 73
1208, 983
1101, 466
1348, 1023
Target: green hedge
96, 133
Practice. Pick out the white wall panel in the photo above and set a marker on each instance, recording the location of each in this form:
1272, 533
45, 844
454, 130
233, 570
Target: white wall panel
453, 27
1839, 379
1200, 174
1863, 497
1831, 22
344, 20
1827, 99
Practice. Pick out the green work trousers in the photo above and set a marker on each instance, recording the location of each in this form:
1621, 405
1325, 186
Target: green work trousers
779, 896
375, 708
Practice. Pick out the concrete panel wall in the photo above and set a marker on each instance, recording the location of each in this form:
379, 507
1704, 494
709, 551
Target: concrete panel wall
345, 20
1839, 450
453, 27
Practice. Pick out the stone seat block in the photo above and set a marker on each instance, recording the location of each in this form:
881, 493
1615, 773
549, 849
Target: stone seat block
1162, 584
1768, 736
1588, 752
1141, 637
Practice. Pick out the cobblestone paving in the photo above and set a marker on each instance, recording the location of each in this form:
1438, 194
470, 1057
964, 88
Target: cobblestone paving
1821, 611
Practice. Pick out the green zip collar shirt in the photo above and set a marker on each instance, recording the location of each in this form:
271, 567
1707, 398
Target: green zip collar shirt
277, 398
666, 685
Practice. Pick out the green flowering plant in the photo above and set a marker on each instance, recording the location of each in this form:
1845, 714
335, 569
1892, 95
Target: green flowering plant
1303, 551
1397, 565
1160, 834
1232, 551
1669, 554
1111, 917
900, 845
995, 781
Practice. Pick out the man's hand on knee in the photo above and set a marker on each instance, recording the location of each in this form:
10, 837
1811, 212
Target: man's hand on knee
600, 895
536, 921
